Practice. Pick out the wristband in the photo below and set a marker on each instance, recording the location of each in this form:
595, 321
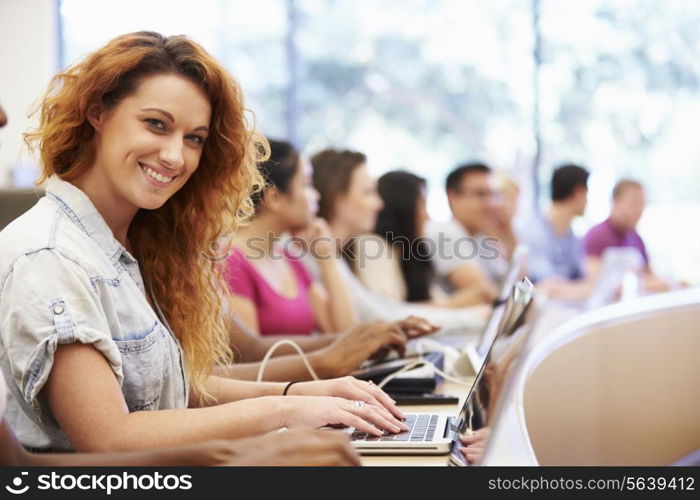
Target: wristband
286, 389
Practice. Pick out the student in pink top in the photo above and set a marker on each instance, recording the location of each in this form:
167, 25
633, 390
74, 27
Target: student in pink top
273, 292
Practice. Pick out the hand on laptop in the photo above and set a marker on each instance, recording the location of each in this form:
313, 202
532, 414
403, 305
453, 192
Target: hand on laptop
352, 348
414, 327
319, 411
474, 444
354, 390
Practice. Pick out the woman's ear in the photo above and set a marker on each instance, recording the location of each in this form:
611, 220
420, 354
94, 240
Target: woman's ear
96, 117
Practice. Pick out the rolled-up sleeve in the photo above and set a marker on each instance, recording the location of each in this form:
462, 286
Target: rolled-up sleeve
46, 300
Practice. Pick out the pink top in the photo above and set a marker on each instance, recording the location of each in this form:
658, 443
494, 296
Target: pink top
276, 314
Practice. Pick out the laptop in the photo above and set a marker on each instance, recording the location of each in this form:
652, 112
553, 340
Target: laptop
617, 264
483, 415
472, 355
434, 434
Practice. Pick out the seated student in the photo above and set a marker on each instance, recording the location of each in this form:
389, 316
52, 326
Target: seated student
501, 225
350, 203
466, 259
294, 447
555, 259
329, 356
620, 230
396, 262
273, 293
108, 325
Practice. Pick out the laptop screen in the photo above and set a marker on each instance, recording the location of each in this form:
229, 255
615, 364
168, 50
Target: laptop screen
514, 273
489, 332
477, 413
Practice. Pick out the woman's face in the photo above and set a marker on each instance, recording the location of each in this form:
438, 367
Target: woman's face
149, 144
358, 208
298, 206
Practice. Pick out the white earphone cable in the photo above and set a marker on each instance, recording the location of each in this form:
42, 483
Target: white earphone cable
274, 347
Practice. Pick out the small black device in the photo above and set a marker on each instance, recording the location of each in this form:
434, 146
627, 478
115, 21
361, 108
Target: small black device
427, 398
377, 372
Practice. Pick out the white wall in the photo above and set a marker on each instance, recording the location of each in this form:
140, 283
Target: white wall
28, 60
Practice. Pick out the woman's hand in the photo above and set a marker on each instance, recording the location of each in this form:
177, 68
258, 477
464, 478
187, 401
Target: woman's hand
359, 344
414, 327
352, 389
321, 411
474, 444
317, 238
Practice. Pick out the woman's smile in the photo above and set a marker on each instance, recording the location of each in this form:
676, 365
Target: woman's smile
157, 176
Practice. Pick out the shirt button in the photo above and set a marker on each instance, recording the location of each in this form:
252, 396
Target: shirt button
58, 309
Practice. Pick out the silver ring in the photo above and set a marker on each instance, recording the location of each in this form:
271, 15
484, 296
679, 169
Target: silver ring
370, 382
357, 404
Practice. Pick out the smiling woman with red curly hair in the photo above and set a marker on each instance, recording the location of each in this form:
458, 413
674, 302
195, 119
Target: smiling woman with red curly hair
110, 316
181, 216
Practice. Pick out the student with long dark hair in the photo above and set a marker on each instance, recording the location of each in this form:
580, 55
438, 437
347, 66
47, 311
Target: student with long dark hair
275, 297
273, 293
350, 203
397, 260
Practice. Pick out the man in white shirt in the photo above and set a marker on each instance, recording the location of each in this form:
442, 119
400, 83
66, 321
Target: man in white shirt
464, 256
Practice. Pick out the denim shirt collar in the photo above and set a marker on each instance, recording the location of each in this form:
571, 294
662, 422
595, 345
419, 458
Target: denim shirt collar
78, 207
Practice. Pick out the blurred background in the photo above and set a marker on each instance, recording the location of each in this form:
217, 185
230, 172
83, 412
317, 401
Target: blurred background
523, 85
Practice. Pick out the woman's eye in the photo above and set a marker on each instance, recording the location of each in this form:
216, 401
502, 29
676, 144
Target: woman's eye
155, 123
199, 140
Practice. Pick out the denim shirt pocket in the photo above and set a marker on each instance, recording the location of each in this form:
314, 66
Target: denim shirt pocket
145, 357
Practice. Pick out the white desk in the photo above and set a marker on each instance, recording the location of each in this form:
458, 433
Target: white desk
507, 446
558, 327
619, 385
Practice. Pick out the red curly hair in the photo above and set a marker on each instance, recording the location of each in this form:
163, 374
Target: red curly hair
171, 242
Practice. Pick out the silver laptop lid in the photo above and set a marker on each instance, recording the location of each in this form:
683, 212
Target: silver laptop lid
481, 406
514, 273
488, 334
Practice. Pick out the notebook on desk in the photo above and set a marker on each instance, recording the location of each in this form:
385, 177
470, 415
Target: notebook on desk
434, 434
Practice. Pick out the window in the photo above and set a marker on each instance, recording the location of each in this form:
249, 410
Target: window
427, 84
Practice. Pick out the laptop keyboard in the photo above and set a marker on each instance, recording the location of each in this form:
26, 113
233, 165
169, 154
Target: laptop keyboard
420, 428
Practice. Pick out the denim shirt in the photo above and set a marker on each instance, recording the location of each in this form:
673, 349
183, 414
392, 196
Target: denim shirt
64, 278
